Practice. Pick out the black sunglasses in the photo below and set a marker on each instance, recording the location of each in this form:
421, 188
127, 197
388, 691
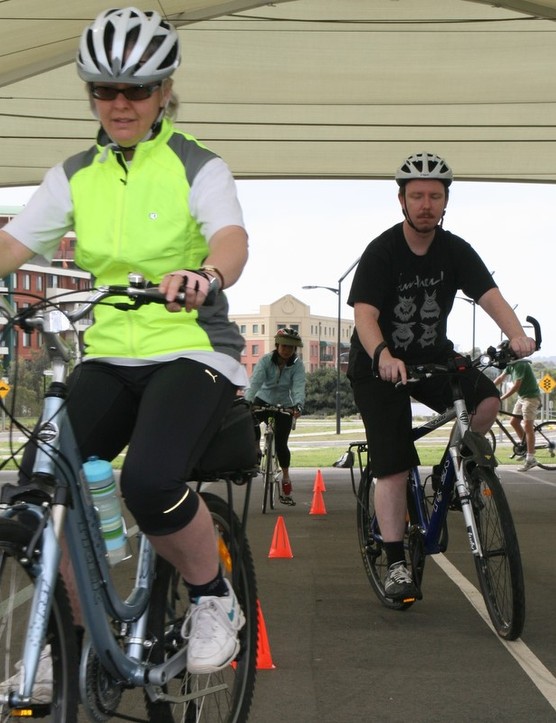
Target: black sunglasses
134, 92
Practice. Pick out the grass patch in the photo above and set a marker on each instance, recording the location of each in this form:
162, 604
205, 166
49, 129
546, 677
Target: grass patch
429, 455
310, 432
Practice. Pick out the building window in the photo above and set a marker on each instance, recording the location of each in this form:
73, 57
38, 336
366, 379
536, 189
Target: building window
242, 329
255, 350
262, 328
38, 282
26, 282
255, 328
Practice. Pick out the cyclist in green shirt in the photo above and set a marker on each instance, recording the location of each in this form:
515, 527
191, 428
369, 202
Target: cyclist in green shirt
528, 402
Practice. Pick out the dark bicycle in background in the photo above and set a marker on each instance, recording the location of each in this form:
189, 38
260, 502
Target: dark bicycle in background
545, 440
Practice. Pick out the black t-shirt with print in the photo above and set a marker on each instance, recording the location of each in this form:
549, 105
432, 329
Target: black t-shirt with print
414, 294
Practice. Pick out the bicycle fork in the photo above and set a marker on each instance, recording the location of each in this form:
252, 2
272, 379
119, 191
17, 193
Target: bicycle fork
47, 568
468, 447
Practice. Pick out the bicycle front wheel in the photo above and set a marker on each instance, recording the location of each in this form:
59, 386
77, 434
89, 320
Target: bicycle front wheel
370, 542
270, 473
54, 694
223, 697
499, 567
545, 445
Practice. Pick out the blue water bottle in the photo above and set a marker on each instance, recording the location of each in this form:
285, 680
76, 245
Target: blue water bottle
100, 476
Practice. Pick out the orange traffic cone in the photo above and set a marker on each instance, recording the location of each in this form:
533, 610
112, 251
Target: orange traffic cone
317, 505
280, 545
319, 483
264, 658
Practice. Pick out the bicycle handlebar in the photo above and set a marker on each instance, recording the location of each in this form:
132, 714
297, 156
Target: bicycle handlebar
139, 290
493, 357
274, 408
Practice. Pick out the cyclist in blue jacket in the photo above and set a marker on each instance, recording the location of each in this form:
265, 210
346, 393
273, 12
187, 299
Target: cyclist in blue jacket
279, 379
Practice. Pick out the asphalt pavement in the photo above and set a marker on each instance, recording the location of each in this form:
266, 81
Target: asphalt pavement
339, 656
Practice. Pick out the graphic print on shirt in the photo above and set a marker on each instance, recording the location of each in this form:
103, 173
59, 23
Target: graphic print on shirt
416, 317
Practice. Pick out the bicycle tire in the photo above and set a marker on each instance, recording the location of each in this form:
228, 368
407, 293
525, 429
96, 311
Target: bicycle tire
57, 693
269, 486
545, 445
499, 568
492, 439
370, 543
168, 609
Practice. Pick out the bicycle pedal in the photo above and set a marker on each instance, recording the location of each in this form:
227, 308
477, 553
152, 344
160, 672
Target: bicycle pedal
413, 598
410, 599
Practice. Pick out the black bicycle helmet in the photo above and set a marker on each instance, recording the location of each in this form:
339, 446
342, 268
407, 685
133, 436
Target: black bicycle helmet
425, 166
288, 337
128, 45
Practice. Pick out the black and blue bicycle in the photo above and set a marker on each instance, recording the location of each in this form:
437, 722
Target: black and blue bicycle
465, 479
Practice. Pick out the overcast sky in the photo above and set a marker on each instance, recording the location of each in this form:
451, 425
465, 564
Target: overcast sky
311, 232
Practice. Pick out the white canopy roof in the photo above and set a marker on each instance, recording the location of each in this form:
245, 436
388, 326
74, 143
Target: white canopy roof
308, 88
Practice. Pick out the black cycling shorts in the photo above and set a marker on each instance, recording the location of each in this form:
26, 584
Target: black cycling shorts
386, 413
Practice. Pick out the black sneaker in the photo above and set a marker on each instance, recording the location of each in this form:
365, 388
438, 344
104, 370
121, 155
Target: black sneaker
398, 584
287, 500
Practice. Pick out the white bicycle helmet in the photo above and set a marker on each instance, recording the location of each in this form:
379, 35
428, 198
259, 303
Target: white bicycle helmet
128, 46
424, 165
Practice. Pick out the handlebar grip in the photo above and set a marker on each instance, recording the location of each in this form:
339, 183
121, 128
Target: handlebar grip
537, 327
153, 294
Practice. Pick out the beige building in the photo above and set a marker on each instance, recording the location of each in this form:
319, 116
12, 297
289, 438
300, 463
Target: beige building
319, 333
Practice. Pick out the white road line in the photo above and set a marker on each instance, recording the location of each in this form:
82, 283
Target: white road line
531, 665
539, 480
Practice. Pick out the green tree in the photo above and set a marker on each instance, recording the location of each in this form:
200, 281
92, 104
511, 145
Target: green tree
321, 393
27, 382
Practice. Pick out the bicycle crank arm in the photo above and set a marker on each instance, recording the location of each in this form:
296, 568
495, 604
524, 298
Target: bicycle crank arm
161, 674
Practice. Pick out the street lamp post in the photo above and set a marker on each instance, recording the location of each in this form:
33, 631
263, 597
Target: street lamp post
338, 292
473, 304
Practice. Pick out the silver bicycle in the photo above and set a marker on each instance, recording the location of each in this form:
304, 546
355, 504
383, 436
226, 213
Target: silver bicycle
130, 642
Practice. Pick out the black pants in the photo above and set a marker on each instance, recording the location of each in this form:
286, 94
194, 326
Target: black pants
386, 413
166, 414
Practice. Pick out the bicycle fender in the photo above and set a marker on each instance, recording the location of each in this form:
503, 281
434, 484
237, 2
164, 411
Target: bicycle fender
475, 447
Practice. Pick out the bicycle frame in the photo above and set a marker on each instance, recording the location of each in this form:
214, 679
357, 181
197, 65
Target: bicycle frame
430, 523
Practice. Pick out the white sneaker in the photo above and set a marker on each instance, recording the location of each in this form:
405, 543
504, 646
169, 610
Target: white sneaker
42, 690
211, 631
527, 465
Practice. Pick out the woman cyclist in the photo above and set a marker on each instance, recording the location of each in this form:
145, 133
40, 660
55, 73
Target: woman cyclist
279, 379
151, 199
